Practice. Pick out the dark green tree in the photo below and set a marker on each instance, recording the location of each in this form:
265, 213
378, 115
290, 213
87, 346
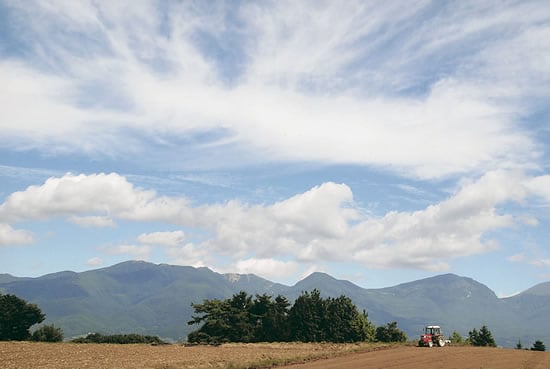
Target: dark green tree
215, 322
16, 317
47, 333
344, 322
279, 319
240, 318
311, 319
270, 318
538, 346
482, 338
390, 333
519, 346
307, 317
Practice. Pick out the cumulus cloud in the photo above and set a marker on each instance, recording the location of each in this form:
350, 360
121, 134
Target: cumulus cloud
10, 236
104, 194
190, 254
169, 239
304, 78
321, 224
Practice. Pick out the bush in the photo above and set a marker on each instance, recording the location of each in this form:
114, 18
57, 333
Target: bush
47, 333
119, 339
390, 333
456, 338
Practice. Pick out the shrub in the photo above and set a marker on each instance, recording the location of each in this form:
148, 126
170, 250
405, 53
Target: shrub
119, 339
390, 333
456, 338
47, 333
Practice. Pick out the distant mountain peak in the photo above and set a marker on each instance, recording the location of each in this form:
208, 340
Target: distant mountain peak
156, 299
541, 289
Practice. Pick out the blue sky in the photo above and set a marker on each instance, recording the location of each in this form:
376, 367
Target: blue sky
377, 142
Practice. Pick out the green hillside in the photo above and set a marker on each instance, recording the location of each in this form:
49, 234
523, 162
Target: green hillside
144, 298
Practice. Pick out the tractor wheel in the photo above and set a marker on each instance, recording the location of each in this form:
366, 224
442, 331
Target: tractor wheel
430, 344
441, 342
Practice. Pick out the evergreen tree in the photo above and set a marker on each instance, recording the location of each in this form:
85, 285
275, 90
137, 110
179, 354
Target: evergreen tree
482, 338
279, 319
240, 319
307, 317
312, 318
538, 346
215, 319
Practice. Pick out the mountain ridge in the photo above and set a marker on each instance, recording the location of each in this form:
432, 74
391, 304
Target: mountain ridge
148, 298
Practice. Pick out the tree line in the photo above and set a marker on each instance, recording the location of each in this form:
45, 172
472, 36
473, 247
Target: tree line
244, 318
17, 317
260, 318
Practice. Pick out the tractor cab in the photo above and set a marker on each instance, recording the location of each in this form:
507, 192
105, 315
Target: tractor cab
432, 329
432, 336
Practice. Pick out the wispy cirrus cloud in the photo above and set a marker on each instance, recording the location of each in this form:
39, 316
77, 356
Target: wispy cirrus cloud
426, 101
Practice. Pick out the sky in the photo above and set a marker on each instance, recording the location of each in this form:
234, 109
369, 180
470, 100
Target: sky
375, 141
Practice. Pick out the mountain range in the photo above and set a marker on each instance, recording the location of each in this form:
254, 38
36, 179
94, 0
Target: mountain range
145, 298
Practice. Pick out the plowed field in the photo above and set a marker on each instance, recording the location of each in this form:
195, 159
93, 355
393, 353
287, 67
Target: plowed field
31, 355
436, 358
25, 355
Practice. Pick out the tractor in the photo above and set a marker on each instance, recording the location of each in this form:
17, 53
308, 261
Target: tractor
432, 336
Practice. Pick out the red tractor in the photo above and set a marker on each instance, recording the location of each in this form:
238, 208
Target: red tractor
432, 336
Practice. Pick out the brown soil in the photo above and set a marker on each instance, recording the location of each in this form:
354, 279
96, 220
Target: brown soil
26, 355
436, 358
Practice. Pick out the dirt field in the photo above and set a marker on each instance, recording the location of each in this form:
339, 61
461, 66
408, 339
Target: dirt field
436, 358
25, 355
29, 355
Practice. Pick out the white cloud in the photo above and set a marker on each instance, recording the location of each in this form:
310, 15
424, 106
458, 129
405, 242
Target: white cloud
322, 224
540, 263
190, 254
539, 186
105, 194
517, 257
95, 261
10, 236
170, 239
92, 221
267, 268
312, 76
